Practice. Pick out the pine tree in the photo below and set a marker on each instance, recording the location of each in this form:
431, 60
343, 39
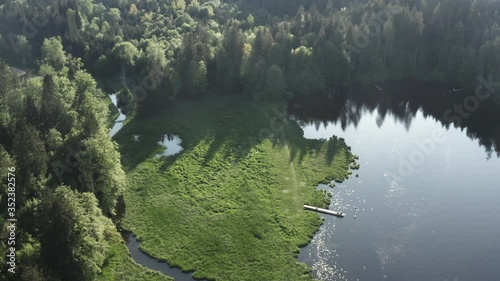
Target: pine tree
275, 84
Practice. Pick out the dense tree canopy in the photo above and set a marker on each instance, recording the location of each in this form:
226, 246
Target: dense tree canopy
54, 131
190, 47
74, 225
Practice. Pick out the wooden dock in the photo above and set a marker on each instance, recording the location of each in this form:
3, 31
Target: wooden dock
324, 211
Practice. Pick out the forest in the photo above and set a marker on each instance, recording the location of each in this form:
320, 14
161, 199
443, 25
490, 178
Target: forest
55, 118
264, 49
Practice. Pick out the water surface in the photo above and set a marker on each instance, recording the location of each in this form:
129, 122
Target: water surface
121, 118
437, 220
141, 258
172, 144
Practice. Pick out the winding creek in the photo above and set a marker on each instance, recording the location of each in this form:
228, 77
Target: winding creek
421, 209
172, 146
119, 120
141, 258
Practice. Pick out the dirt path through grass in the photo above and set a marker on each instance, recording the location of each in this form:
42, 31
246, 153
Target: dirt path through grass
297, 196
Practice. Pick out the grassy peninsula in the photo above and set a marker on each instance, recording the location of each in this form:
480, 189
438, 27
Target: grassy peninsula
227, 207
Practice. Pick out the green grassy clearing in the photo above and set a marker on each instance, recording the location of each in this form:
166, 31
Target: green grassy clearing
224, 208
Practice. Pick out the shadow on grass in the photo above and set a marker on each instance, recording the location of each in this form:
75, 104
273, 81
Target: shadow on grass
203, 189
232, 127
217, 120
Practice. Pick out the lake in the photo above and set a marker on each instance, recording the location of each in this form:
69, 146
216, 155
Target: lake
426, 208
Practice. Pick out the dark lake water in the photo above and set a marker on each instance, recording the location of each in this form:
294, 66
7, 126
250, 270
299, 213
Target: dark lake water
427, 207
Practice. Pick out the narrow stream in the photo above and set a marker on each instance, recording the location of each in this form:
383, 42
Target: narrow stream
173, 146
121, 118
141, 258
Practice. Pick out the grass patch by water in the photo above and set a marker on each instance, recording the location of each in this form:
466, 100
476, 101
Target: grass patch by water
225, 208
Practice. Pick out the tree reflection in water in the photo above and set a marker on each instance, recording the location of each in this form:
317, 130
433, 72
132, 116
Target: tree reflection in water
402, 100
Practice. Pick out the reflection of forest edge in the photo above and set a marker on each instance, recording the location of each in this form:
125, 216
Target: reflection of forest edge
403, 99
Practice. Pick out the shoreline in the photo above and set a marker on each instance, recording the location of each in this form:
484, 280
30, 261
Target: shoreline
306, 165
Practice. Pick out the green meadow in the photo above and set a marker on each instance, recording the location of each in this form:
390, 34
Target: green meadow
230, 205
